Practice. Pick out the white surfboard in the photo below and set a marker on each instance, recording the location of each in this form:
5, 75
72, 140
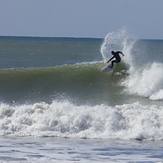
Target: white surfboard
106, 68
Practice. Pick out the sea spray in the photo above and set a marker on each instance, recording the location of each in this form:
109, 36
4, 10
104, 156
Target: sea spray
119, 40
143, 79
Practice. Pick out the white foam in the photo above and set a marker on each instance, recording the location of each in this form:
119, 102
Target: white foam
64, 119
157, 96
147, 81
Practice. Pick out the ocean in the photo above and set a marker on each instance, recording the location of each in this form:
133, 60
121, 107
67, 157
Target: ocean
56, 105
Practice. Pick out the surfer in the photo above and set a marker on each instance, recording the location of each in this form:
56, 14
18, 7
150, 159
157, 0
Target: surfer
116, 57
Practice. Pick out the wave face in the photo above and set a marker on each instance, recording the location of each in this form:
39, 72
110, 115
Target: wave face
78, 83
64, 119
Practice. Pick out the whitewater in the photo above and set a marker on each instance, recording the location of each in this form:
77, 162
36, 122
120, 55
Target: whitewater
57, 105
63, 119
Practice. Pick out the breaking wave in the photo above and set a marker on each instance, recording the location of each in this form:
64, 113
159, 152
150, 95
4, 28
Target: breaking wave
64, 119
145, 79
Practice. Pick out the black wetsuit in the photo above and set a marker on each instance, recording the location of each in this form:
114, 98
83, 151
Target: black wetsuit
116, 56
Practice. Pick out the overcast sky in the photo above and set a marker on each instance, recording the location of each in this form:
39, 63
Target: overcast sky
81, 18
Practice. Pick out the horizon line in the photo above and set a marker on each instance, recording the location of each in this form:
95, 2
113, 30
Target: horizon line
69, 37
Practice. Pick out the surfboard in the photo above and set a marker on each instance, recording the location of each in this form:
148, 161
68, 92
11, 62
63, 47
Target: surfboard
107, 68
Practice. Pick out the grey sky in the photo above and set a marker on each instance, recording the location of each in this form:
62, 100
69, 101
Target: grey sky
81, 18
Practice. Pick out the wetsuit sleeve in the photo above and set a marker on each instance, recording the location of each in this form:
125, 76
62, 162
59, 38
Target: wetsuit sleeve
120, 53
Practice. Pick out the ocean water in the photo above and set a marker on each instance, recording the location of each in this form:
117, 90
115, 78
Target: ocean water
56, 105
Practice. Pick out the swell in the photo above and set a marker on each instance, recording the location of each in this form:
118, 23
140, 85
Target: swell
80, 80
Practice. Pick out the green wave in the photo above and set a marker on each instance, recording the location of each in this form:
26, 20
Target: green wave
80, 80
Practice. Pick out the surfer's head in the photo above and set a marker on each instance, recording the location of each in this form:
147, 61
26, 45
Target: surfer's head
112, 52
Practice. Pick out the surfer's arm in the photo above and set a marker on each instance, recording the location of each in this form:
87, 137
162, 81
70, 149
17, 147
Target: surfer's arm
121, 53
110, 59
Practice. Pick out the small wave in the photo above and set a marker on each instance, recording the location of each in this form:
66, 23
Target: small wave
64, 119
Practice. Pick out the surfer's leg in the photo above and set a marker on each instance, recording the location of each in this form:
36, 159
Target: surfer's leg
112, 63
